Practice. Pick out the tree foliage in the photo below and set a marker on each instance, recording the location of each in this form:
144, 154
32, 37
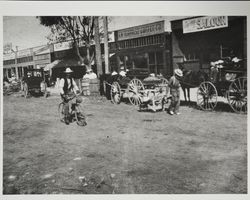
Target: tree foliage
78, 29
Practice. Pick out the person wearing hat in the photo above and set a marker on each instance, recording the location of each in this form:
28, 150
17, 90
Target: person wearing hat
68, 88
90, 74
122, 71
174, 84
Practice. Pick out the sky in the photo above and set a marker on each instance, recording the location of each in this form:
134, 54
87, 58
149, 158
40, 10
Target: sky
26, 31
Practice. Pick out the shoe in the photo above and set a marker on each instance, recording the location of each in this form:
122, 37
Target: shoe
177, 113
171, 112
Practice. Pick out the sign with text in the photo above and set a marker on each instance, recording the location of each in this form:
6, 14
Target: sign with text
62, 46
24, 53
9, 56
204, 23
141, 31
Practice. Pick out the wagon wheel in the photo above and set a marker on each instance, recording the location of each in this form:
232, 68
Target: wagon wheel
25, 90
115, 93
207, 96
61, 111
135, 88
237, 95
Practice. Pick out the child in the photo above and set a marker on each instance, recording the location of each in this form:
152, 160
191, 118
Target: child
175, 86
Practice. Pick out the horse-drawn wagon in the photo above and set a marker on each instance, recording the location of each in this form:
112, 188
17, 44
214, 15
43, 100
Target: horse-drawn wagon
149, 92
230, 81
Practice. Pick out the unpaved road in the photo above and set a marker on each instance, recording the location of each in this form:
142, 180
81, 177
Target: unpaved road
144, 152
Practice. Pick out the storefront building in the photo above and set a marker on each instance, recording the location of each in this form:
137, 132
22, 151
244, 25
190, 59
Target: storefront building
200, 40
143, 48
19, 61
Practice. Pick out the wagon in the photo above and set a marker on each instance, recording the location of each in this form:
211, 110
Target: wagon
230, 83
34, 83
136, 90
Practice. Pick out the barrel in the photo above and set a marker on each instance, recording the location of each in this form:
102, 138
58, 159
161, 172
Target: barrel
94, 86
85, 87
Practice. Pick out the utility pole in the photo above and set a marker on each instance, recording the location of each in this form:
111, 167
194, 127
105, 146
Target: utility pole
97, 47
106, 45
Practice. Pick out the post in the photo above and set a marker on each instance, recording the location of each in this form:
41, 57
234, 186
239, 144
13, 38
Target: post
106, 47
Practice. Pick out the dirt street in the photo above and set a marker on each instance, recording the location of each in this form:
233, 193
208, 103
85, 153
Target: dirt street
121, 150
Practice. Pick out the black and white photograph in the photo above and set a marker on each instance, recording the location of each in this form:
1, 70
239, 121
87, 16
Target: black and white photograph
109, 104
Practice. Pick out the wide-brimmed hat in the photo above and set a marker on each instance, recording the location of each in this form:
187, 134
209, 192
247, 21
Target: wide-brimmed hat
178, 72
68, 70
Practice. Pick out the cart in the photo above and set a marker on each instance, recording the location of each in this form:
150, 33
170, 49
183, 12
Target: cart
34, 83
231, 83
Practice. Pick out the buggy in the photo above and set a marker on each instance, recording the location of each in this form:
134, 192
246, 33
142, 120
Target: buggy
230, 82
33, 82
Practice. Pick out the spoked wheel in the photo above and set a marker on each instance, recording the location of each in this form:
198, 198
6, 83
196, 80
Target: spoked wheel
115, 93
79, 116
135, 89
25, 90
237, 95
207, 96
61, 111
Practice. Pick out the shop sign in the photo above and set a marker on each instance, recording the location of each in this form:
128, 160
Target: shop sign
140, 31
62, 46
204, 23
24, 53
9, 56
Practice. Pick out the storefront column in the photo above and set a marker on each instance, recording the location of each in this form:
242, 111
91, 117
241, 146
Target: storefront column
17, 75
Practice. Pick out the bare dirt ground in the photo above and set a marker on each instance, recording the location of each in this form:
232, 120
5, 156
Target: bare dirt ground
121, 150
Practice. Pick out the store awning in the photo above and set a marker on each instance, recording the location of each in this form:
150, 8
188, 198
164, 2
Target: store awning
51, 65
62, 64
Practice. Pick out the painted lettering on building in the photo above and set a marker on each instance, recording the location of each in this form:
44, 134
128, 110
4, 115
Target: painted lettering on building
204, 23
140, 31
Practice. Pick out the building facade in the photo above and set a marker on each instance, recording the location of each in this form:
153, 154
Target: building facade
198, 41
144, 48
19, 61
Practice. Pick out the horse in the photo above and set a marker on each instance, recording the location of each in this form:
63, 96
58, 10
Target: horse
191, 79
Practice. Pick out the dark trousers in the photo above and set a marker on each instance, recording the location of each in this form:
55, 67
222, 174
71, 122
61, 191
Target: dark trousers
175, 103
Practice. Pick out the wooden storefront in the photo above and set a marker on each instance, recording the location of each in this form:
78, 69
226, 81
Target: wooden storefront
200, 40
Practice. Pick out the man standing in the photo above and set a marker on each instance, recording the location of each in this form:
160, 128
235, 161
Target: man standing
174, 84
68, 89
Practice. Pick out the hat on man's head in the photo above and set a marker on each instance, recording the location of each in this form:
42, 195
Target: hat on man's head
178, 72
89, 70
121, 68
68, 70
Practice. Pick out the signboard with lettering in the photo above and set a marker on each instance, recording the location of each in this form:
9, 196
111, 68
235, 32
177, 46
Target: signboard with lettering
24, 53
63, 46
9, 56
204, 23
140, 31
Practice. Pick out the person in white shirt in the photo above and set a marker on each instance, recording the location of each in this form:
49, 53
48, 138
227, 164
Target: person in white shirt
122, 71
68, 89
90, 74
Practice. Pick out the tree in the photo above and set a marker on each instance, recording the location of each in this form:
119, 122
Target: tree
78, 29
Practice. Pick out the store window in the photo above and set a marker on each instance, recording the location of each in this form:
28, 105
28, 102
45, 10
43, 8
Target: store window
20, 74
192, 56
140, 61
